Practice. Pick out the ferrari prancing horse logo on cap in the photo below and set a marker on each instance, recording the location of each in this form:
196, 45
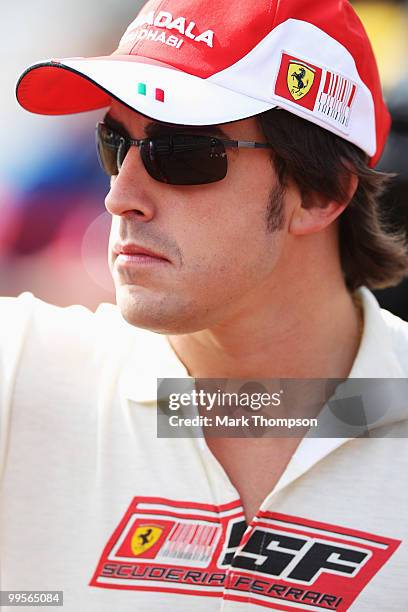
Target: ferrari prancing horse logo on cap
300, 79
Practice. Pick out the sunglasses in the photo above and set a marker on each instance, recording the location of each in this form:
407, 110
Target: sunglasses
178, 159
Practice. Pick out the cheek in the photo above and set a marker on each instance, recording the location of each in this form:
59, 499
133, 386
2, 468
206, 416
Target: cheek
233, 227
222, 231
230, 248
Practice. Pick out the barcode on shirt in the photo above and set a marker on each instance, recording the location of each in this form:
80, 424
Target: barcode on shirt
188, 541
336, 98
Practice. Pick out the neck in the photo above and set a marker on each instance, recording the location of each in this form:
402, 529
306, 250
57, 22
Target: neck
314, 333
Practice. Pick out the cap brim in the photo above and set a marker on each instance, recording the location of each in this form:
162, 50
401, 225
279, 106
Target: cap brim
156, 90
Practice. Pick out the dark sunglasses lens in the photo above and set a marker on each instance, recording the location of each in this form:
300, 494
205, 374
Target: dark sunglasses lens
185, 160
111, 149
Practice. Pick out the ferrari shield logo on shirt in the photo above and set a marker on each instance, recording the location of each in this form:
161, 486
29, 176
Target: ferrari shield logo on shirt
144, 537
300, 79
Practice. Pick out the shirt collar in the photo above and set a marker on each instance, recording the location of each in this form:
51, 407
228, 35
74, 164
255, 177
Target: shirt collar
377, 359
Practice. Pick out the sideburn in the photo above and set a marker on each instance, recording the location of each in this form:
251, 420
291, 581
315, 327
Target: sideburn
275, 212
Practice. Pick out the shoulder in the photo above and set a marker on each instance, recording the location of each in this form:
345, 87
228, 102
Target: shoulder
29, 316
26, 306
35, 334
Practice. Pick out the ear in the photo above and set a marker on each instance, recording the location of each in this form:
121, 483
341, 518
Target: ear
319, 212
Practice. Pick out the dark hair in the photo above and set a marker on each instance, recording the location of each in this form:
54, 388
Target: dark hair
373, 253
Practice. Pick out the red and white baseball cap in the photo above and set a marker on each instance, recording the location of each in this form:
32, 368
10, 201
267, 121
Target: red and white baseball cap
195, 62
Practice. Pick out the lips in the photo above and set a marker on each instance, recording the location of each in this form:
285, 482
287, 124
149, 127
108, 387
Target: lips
134, 249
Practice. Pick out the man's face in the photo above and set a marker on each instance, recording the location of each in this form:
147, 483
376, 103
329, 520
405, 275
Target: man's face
218, 247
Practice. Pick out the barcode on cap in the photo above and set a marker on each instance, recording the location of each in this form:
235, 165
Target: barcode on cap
336, 98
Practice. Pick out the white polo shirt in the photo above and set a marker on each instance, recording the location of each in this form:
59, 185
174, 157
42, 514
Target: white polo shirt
94, 504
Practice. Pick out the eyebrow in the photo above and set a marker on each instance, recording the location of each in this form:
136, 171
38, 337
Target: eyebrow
157, 128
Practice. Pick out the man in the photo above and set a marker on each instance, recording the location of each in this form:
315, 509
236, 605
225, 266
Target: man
226, 266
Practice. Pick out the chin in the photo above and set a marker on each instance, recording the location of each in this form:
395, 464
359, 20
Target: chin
162, 315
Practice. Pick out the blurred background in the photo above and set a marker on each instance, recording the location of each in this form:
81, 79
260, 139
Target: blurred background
53, 225
53, 228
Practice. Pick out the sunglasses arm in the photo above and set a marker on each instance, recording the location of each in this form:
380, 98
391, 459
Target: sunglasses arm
245, 144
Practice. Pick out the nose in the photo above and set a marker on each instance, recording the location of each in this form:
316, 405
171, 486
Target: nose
131, 189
